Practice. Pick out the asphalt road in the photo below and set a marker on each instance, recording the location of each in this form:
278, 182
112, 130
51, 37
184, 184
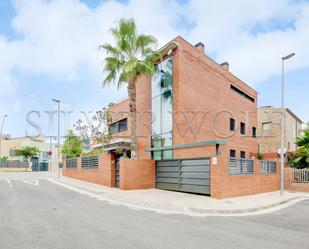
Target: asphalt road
40, 215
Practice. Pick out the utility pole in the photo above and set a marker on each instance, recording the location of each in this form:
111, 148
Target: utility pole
58, 145
1, 134
282, 152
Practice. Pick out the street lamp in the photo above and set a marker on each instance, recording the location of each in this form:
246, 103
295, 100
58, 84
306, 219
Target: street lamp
1, 131
282, 125
58, 103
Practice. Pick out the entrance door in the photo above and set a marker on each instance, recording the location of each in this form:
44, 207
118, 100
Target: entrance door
185, 175
117, 170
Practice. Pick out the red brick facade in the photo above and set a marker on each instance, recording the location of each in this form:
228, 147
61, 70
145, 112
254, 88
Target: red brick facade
202, 92
290, 185
223, 185
137, 174
104, 174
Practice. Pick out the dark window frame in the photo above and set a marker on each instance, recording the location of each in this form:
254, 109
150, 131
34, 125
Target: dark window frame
114, 127
242, 128
253, 131
232, 124
242, 93
233, 152
242, 154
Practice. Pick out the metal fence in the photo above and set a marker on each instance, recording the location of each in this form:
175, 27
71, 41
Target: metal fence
71, 163
301, 175
238, 166
90, 162
268, 167
14, 164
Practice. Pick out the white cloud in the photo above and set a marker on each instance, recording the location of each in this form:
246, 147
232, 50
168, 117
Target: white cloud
228, 31
60, 38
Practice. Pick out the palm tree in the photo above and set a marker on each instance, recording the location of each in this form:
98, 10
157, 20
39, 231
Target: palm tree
131, 56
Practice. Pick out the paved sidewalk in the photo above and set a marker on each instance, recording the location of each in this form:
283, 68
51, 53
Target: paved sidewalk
170, 202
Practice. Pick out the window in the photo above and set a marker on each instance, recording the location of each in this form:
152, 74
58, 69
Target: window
242, 128
123, 125
162, 110
253, 132
267, 126
119, 126
232, 124
233, 153
242, 93
242, 154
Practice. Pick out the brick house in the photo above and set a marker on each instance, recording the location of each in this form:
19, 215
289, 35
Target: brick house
196, 129
269, 130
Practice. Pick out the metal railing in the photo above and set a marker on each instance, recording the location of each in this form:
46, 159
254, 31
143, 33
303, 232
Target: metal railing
13, 164
90, 162
238, 166
301, 175
71, 163
268, 167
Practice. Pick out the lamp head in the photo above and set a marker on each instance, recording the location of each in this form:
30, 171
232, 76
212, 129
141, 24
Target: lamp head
288, 56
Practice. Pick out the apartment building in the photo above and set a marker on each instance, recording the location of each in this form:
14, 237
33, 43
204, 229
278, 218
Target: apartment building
269, 129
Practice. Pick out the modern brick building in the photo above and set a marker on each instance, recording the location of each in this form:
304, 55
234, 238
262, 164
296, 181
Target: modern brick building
196, 129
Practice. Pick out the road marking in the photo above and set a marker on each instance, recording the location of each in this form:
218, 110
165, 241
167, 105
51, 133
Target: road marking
9, 182
32, 182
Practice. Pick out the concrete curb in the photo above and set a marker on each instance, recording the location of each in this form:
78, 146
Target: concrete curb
189, 211
247, 210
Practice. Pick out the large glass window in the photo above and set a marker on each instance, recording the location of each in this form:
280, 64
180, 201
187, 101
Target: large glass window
162, 110
119, 126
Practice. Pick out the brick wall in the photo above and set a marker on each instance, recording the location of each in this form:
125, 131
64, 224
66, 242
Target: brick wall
290, 185
224, 185
137, 174
104, 174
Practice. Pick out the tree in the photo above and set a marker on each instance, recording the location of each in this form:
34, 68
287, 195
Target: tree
72, 146
304, 140
97, 128
300, 158
131, 56
4, 159
27, 152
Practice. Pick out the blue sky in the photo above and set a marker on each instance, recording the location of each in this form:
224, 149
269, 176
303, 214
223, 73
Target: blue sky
49, 49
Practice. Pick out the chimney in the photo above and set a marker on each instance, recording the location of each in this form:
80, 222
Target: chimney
200, 46
225, 65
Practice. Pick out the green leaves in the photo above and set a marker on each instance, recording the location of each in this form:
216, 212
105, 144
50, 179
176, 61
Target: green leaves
300, 158
72, 146
131, 55
27, 151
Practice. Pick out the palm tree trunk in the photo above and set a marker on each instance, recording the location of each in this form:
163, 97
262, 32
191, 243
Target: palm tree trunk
132, 106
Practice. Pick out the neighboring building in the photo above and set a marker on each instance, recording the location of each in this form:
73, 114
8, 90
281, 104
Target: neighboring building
269, 129
8, 145
198, 124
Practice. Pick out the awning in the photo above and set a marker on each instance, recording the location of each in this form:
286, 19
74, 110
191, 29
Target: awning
188, 145
119, 144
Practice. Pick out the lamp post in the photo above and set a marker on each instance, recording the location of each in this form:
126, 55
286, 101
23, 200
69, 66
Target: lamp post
1, 131
282, 125
58, 146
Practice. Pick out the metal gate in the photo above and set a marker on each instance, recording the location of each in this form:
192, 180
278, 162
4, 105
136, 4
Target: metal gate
185, 175
117, 171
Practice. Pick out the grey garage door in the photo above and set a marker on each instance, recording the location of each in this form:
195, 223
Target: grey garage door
186, 175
